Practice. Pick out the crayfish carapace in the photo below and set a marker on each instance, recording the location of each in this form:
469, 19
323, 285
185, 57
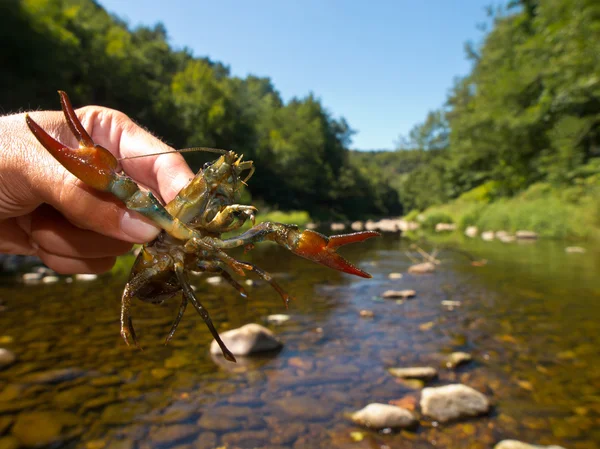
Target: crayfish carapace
192, 225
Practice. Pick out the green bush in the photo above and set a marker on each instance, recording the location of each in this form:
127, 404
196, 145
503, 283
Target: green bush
434, 217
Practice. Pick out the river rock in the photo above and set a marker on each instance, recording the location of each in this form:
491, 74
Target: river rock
278, 318
357, 226
421, 268
167, 436
246, 340
364, 313
445, 227
34, 429
471, 231
245, 439
384, 416
50, 279
338, 226
488, 236
214, 280
53, 376
574, 249
526, 235
206, 440
414, 372
7, 358
394, 294
514, 444
452, 402
394, 276
458, 358
86, 277
304, 408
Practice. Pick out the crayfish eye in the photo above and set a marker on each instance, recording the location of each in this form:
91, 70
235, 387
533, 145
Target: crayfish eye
206, 165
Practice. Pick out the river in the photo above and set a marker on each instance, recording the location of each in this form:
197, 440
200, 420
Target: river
529, 317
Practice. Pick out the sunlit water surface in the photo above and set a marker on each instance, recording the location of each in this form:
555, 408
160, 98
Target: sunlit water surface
530, 318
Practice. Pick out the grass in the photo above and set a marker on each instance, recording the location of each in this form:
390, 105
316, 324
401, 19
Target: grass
568, 212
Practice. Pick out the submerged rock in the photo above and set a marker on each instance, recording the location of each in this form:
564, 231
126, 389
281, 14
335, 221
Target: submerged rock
414, 372
421, 268
452, 402
394, 294
7, 358
168, 436
458, 358
53, 376
384, 416
34, 429
248, 339
514, 444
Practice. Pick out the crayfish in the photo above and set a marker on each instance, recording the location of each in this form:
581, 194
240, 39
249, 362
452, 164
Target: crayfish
192, 224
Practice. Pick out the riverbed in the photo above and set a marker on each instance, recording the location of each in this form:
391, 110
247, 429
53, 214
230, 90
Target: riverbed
529, 317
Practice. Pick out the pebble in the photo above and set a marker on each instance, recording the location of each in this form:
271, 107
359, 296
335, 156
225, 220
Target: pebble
167, 436
214, 280
458, 358
451, 304
278, 318
422, 268
471, 231
366, 313
393, 294
395, 276
452, 402
384, 416
246, 340
415, 372
7, 358
574, 249
86, 277
50, 279
515, 444
53, 376
488, 236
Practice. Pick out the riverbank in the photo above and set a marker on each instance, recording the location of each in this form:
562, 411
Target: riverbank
571, 213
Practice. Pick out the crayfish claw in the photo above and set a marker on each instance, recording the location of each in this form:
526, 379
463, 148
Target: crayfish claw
322, 249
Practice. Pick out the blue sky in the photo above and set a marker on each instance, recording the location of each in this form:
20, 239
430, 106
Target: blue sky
380, 64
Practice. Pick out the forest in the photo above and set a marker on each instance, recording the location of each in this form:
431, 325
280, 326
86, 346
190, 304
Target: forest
524, 123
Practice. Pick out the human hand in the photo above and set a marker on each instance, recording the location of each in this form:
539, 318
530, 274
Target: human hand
46, 211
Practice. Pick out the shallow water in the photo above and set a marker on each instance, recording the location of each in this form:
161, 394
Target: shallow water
530, 318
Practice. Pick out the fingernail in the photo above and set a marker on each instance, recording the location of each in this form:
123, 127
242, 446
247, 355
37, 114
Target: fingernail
138, 229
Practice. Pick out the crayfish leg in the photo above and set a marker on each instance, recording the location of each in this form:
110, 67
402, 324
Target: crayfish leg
191, 296
178, 318
268, 278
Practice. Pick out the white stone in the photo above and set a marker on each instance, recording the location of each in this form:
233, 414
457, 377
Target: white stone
278, 318
50, 279
7, 358
86, 277
526, 235
393, 294
471, 231
357, 226
384, 416
214, 280
246, 340
414, 372
445, 227
488, 236
421, 268
453, 401
575, 249
338, 226
514, 444
395, 276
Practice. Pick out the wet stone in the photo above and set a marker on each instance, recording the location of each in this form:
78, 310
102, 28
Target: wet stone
286, 432
106, 381
452, 402
304, 408
53, 376
384, 416
246, 439
458, 358
422, 268
278, 318
160, 373
42, 428
99, 402
395, 276
171, 435
209, 421
514, 444
18, 405
415, 372
246, 340
206, 440
73, 397
123, 413
7, 358
395, 294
